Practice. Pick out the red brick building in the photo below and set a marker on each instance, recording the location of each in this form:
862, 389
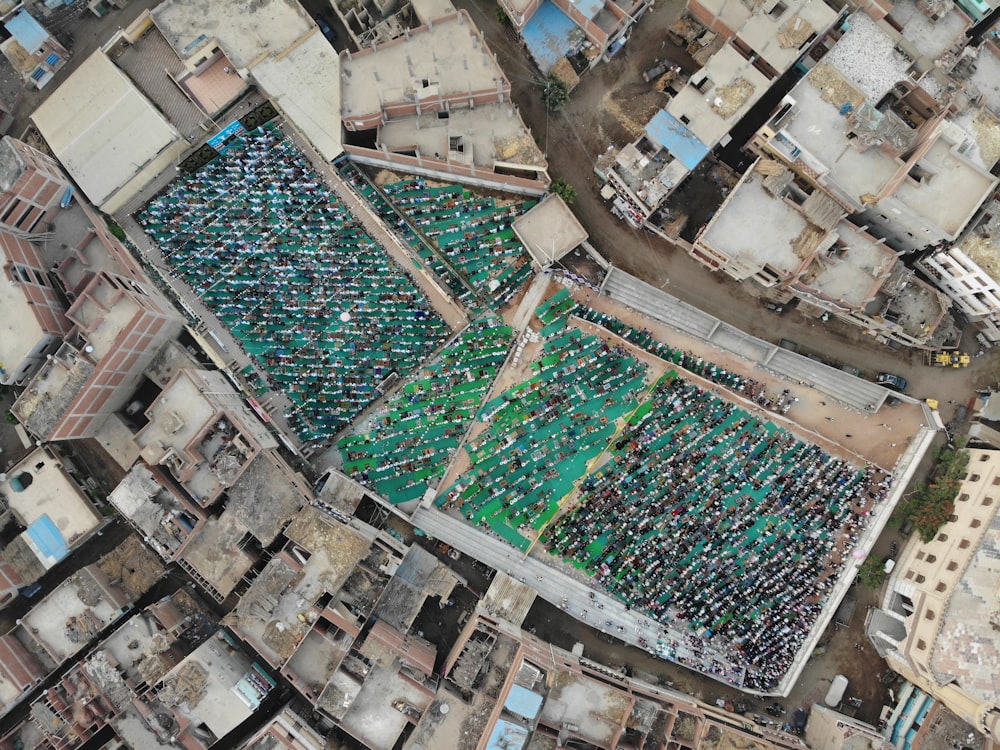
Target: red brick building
31, 183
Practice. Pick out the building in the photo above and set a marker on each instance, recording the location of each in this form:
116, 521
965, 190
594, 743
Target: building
118, 327
288, 731
936, 623
436, 103
105, 690
549, 231
110, 138
555, 31
968, 271
758, 46
54, 509
32, 51
34, 311
812, 252
862, 128
831, 730
31, 183
69, 618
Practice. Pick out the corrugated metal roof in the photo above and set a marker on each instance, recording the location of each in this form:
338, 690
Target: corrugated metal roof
523, 702
673, 135
27, 31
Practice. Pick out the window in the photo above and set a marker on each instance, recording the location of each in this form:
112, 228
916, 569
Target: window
920, 579
974, 477
952, 518
963, 497
987, 501
931, 558
942, 537
976, 523
984, 457
921, 646
777, 10
929, 615
964, 544
920, 555
940, 588
952, 566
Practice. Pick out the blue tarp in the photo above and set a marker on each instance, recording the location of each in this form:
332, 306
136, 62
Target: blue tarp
673, 135
589, 8
507, 736
523, 702
48, 539
27, 31
550, 36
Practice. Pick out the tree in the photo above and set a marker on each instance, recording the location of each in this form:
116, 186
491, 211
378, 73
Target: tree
872, 572
564, 190
555, 93
502, 17
929, 506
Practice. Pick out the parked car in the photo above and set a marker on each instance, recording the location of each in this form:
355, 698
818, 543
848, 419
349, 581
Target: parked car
327, 30
775, 307
889, 380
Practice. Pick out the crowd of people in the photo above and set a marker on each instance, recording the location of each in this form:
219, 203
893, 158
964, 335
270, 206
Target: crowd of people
407, 443
719, 525
460, 233
312, 298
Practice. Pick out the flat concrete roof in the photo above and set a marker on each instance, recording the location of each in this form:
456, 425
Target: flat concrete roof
50, 493
866, 54
549, 230
429, 10
245, 31
305, 84
763, 32
856, 272
932, 38
736, 230
449, 56
598, 710
737, 85
20, 331
820, 130
215, 553
954, 193
372, 717
177, 415
489, 133
49, 621
101, 128
218, 707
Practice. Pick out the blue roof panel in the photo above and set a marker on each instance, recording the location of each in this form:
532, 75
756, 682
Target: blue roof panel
673, 135
47, 538
523, 702
27, 31
589, 8
550, 36
507, 736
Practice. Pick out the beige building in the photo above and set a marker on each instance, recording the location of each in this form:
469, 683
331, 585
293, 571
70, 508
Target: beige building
812, 252
939, 619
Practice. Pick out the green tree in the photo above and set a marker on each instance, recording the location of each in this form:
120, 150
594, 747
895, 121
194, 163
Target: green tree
502, 17
928, 506
555, 93
872, 572
564, 190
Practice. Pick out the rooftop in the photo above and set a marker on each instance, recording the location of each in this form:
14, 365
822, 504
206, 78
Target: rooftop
780, 38
203, 687
733, 86
549, 230
967, 649
216, 553
266, 495
868, 56
102, 312
819, 130
52, 390
854, 268
153, 509
101, 128
951, 193
21, 329
482, 136
750, 205
930, 37
245, 31
38, 487
373, 716
447, 59
598, 710
67, 619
